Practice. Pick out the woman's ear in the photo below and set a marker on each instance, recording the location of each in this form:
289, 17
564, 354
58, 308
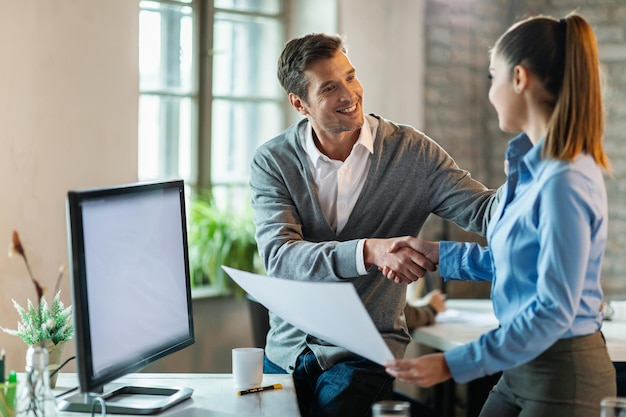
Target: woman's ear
520, 78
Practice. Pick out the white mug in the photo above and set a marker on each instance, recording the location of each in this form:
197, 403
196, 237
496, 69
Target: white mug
247, 367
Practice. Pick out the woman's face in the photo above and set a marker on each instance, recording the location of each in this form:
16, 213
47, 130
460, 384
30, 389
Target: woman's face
503, 97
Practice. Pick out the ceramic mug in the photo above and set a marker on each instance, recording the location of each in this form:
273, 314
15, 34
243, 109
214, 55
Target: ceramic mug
247, 367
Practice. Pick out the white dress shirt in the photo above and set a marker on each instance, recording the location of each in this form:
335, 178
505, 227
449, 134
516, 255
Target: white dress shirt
340, 182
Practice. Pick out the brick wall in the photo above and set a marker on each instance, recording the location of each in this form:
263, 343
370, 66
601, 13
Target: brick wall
459, 116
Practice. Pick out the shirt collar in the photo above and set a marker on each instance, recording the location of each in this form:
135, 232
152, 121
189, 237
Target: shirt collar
518, 146
533, 159
366, 139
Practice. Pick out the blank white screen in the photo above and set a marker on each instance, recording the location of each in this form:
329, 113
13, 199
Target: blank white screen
136, 282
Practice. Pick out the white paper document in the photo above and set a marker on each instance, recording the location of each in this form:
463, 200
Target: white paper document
470, 317
327, 310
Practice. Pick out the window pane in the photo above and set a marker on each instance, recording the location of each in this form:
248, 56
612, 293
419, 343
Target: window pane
238, 129
165, 47
165, 137
232, 197
260, 6
246, 50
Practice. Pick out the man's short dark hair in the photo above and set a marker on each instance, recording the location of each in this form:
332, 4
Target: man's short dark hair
299, 53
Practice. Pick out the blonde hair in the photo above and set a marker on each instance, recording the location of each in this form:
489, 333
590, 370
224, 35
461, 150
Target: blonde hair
563, 54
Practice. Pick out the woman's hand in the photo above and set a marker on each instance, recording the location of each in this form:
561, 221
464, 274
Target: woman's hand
425, 371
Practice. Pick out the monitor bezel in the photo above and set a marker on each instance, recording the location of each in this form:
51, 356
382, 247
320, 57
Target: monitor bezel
88, 381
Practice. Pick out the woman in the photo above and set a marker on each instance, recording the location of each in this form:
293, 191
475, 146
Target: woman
547, 238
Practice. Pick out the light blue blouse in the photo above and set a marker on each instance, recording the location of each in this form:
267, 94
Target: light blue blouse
546, 243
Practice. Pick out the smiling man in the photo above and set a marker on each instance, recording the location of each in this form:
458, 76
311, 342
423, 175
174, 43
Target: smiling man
327, 194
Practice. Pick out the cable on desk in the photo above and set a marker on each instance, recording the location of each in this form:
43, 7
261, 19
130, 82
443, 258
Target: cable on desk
103, 406
53, 373
66, 392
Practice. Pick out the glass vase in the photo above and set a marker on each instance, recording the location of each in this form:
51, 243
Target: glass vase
35, 397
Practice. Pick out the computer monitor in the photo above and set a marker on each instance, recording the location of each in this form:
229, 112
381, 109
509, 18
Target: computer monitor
130, 289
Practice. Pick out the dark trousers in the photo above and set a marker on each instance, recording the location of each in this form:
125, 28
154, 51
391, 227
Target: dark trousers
346, 389
620, 369
567, 380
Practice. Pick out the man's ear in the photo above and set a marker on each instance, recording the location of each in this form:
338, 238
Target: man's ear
520, 78
298, 104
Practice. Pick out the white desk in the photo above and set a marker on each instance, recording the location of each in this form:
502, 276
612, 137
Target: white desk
476, 317
213, 396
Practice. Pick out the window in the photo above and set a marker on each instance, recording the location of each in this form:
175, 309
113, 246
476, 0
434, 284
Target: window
208, 89
168, 91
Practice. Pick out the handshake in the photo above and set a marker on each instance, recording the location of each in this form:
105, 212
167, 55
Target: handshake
402, 259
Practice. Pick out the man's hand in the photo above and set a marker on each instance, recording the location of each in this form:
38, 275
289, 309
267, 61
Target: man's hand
427, 250
406, 264
436, 300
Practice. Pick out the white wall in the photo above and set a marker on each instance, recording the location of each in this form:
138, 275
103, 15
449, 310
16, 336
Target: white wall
68, 119
385, 41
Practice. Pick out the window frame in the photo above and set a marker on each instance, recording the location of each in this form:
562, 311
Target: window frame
202, 95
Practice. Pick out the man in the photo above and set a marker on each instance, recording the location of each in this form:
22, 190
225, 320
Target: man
327, 193
424, 314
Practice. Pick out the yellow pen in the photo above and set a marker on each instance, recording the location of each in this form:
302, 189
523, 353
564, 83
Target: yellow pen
259, 389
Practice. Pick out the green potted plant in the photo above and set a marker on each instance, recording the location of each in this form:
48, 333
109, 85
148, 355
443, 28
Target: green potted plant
49, 326
43, 323
216, 237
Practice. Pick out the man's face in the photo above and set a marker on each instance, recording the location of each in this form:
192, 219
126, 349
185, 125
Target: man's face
335, 97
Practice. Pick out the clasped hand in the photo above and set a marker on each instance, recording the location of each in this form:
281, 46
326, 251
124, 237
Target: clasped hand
403, 259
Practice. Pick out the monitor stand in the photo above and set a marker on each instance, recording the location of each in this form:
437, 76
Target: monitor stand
127, 400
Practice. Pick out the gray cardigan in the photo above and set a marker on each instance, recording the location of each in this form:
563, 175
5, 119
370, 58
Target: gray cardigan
410, 176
